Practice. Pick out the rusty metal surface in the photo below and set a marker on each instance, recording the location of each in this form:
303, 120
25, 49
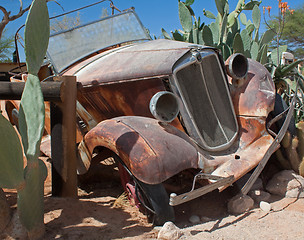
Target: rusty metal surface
253, 96
153, 58
253, 99
90, 59
246, 153
153, 151
84, 158
195, 193
154, 156
274, 146
129, 98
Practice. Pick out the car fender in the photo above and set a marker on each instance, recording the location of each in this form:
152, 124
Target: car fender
255, 94
153, 151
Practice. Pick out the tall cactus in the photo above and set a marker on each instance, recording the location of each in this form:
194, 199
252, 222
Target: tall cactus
31, 118
29, 181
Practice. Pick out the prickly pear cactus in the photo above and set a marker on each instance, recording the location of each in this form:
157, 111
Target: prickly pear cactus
28, 181
11, 158
225, 32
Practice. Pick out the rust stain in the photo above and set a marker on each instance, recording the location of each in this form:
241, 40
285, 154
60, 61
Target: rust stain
112, 100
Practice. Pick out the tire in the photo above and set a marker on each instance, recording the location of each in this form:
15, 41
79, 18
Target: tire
157, 199
152, 198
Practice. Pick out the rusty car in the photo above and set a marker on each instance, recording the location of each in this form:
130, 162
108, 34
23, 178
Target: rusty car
163, 107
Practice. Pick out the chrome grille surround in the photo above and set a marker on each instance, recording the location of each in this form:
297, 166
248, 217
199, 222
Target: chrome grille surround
205, 104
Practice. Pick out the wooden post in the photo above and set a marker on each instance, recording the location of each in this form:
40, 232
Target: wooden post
62, 95
63, 140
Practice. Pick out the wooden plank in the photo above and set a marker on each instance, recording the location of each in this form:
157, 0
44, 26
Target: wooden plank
13, 90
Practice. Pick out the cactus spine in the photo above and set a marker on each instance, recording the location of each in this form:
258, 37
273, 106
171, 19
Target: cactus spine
28, 181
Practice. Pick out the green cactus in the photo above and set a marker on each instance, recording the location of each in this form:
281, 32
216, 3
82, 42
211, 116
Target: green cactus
247, 42
11, 157
254, 50
30, 199
29, 181
185, 17
207, 36
238, 46
225, 32
36, 33
31, 117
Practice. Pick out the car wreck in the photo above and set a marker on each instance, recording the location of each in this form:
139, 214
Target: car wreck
161, 107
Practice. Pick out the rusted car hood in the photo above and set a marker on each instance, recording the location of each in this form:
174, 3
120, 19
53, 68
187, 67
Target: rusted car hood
149, 59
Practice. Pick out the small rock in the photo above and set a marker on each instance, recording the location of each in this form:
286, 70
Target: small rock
265, 206
194, 219
240, 204
169, 232
286, 184
5, 211
259, 195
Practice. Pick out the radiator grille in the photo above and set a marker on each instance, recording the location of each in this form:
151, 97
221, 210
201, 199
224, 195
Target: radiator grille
210, 118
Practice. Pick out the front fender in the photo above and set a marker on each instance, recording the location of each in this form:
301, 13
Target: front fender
153, 151
254, 95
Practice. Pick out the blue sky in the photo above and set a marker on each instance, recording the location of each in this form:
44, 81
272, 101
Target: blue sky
154, 14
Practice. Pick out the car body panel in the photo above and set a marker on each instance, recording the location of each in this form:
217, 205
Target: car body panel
253, 96
153, 151
144, 60
112, 100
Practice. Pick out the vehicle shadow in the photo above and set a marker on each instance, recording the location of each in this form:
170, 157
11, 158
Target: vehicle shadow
91, 218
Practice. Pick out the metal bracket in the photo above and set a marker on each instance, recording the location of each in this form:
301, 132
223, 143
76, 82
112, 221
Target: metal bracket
195, 193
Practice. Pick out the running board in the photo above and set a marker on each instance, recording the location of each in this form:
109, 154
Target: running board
195, 193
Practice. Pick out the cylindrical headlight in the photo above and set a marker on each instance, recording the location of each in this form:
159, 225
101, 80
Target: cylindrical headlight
164, 106
237, 66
